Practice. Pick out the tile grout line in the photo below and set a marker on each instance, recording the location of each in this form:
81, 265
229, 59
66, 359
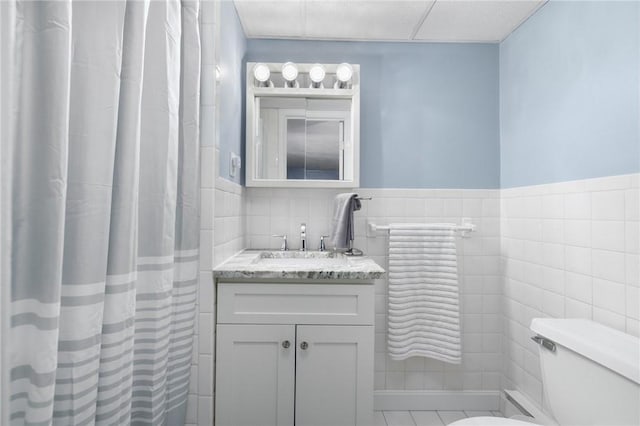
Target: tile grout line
412, 418
384, 418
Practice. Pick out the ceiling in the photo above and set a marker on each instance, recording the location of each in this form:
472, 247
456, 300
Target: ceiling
385, 20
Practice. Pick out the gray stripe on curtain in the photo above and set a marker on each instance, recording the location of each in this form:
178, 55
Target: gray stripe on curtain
33, 319
32, 404
105, 221
27, 372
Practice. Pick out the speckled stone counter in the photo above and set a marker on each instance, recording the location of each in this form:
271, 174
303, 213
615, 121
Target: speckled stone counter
311, 265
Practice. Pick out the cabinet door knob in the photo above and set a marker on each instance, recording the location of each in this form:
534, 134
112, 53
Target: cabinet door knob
286, 344
304, 346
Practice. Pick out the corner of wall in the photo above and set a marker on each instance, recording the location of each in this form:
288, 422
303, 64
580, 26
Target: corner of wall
232, 50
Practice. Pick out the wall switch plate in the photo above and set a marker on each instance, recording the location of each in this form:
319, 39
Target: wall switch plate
235, 163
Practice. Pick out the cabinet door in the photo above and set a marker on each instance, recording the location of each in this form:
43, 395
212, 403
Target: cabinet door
255, 375
334, 375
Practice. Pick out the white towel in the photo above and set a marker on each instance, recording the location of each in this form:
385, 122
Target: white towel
424, 316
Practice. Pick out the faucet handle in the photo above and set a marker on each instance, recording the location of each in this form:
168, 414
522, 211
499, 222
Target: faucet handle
303, 237
284, 246
322, 245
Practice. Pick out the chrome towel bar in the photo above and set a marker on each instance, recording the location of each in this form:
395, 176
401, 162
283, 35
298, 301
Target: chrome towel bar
464, 228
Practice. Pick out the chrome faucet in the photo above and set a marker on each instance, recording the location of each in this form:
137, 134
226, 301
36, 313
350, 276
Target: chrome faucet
303, 237
323, 247
284, 246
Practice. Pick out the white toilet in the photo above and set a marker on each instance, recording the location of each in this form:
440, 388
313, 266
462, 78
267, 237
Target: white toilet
590, 375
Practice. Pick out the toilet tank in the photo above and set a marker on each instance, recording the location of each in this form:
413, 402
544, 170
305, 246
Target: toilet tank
590, 372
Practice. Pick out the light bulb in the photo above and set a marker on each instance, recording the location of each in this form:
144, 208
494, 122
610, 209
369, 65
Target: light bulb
289, 71
261, 73
316, 74
344, 73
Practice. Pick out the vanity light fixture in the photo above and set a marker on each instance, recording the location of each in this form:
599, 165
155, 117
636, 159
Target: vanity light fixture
290, 73
316, 75
344, 73
218, 73
261, 73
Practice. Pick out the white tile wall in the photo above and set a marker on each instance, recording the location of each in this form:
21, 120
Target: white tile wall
205, 301
568, 250
222, 210
280, 211
561, 250
229, 220
200, 399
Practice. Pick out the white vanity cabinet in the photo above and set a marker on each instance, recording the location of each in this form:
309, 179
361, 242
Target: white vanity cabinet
294, 354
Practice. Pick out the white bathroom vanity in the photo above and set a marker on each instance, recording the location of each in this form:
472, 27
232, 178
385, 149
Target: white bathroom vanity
294, 339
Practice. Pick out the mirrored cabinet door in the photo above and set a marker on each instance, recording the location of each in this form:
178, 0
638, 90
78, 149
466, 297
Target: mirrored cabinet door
303, 139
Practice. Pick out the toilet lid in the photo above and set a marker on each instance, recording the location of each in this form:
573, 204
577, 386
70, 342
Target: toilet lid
489, 421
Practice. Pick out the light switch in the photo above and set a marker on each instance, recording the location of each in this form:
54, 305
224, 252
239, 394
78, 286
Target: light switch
235, 163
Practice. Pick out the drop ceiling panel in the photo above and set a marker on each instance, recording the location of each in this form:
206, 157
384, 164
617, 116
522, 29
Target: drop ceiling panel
364, 20
460, 20
278, 19
384, 20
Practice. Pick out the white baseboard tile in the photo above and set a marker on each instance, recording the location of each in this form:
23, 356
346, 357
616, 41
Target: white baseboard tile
391, 400
516, 403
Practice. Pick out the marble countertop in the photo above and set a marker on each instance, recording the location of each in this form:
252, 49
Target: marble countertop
268, 264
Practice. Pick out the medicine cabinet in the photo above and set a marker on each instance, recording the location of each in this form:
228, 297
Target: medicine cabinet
303, 128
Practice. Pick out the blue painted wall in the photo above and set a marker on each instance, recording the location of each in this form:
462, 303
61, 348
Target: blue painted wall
233, 46
569, 93
429, 112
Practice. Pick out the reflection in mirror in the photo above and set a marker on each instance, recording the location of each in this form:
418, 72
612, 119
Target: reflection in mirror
302, 139
296, 141
313, 149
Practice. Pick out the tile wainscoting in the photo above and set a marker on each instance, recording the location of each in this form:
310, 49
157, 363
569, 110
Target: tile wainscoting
563, 250
280, 211
222, 210
569, 250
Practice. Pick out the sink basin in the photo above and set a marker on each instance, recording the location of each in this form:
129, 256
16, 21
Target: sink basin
306, 259
297, 254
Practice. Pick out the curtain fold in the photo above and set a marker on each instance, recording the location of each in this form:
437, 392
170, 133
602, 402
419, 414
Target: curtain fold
104, 197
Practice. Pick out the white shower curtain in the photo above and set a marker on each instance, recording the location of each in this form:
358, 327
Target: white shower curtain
103, 245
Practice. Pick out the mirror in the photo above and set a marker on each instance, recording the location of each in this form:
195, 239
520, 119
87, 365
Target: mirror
302, 137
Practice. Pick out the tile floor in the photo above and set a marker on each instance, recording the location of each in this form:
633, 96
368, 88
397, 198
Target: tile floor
425, 418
